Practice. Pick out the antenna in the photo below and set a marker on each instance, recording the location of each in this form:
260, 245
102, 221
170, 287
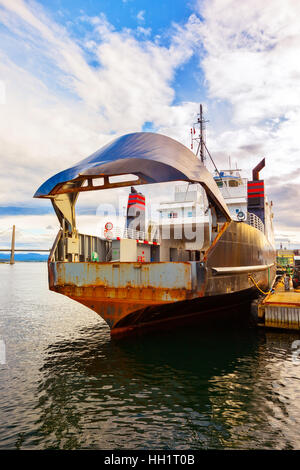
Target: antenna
201, 141
201, 137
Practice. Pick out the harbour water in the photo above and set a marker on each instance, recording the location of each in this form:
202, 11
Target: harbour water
66, 385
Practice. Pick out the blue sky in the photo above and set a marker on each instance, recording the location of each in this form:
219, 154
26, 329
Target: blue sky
74, 74
156, 17
157, 14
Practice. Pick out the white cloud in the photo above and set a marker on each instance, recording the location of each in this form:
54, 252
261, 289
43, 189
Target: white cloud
143, 31
39, 231
141, 15
251, 64
2, 92
31, 231
59, 108
250, 61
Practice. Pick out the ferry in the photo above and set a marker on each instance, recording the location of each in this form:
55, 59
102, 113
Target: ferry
212, 247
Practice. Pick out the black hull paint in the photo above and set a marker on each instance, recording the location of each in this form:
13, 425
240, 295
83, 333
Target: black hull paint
190, 312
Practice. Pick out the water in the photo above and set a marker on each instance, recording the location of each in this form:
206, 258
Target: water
67, 385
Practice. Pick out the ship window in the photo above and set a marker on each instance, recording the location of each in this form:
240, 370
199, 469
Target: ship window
220, 184
233, 183
172, 215
190, 214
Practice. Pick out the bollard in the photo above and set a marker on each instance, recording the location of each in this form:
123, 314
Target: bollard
286, 282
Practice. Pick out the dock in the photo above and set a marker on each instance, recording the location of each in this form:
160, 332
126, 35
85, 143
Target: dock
280, 308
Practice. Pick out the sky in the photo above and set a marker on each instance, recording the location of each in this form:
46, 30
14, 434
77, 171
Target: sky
76, 74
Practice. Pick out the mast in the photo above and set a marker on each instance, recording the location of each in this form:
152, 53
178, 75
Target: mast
201, 140
201, 121
201, 137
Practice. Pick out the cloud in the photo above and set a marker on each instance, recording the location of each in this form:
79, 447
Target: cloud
39, 231
250, 55
141, 15
59, 108
252, 73
64, 96
31, 231
143, 31
249, 62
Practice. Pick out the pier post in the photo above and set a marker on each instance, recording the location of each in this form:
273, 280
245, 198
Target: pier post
12, 253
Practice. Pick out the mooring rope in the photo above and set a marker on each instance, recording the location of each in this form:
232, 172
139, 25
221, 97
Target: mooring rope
257, 286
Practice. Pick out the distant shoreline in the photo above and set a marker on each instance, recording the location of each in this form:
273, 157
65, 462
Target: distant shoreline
25, 257
24, 261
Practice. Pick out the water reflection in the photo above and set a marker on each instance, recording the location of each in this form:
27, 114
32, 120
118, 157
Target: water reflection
68, 385
171, 390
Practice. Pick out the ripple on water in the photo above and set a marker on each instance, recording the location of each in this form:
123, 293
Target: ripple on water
67, 385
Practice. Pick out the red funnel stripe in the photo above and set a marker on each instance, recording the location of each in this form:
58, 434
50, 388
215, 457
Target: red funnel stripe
256, 183
133, 201
135, 196
138, 206
256, 189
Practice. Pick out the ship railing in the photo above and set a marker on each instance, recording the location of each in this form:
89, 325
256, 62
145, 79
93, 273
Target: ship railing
53, 256
118, 232
255, 221
79, 247
92, 248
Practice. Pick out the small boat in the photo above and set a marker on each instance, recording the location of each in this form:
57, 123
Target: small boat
212, 247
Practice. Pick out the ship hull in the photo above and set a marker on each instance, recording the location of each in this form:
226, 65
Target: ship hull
133, 296
189, 312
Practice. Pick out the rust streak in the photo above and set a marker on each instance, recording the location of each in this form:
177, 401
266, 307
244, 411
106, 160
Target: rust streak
225, 226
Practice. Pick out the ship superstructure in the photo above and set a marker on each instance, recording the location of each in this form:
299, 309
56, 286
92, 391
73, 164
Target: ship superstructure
234, 190
246, 199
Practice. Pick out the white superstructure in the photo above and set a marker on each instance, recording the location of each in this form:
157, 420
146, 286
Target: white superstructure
234, 190
188, 206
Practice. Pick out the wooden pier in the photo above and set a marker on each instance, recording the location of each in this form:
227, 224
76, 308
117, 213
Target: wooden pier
280, 309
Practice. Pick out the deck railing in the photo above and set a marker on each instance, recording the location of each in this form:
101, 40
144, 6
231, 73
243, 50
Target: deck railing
79, 248
118, 232
85, 248
54, 253
255, 221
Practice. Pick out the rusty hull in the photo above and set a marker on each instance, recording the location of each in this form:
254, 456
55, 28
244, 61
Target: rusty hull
114, 290
130, 295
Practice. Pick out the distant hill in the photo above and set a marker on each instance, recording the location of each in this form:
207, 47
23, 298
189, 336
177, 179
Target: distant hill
32, 257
